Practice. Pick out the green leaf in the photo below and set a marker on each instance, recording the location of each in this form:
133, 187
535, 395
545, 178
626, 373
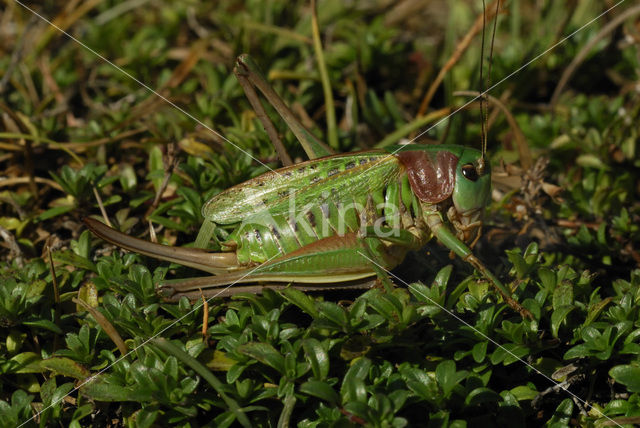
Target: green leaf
628, 375
558, 316
509, 353
102, 388
25, 362
321, 390
73, 259
482, 395
479, 351
54, 212
264, 353
563, 295
562, 416
174, 350
420, 382
334, 313
318, 357
353, 387
448, 377
524, 392
301, 300
65, 367
156, 165
168, 223
548, 279
45, 324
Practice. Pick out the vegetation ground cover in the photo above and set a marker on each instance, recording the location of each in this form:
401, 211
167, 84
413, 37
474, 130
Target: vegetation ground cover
562, 229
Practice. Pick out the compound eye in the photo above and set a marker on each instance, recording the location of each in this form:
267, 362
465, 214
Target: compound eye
470, 172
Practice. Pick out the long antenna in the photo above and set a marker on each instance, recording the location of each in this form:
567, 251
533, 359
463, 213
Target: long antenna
483, 125
484, 102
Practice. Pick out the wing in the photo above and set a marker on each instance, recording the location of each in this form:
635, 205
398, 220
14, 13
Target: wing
341, 177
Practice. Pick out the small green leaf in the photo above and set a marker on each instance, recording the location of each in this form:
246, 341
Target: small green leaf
318, 357
333, 313
45, 324
71, 258
482, 395
25, 362
628, 375
562, 416
591, 161
264, 353
420, 382
558, 316
563, 295
103, 389
320, 389
548, 278
65, 367
448, 377
54, 212
353, 388
479, 351
524, 392
301, 300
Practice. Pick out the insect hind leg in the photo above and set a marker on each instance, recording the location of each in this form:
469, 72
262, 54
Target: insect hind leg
197, 258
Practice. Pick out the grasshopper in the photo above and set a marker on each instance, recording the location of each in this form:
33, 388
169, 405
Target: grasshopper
334, 221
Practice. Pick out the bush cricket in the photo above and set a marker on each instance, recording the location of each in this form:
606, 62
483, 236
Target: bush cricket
327, 222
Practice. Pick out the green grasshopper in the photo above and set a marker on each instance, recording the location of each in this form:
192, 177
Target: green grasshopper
334, 221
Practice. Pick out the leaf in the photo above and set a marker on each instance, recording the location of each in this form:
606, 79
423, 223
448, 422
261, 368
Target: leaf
509, 353
334, 313
596, 310
558, 316
156, 165
482, 395
65, 367
264, 353
420, 291
385, 305
101, 388
217, 360
301, 300
88, 293
174, 350
628, 375
548, 279
318, 357
591, 161
562, 415
45, 324
524, 392
420, 382
479, 351
353, 388
25, 362
448, 377
320, 389
168, 223
563, 295
53, 212
73, 259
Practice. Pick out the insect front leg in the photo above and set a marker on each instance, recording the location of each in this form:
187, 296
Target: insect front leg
462, 229
449, 239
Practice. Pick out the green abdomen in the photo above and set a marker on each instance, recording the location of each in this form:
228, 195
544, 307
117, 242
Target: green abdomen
338, 204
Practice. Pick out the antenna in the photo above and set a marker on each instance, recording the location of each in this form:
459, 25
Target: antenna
484, 103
